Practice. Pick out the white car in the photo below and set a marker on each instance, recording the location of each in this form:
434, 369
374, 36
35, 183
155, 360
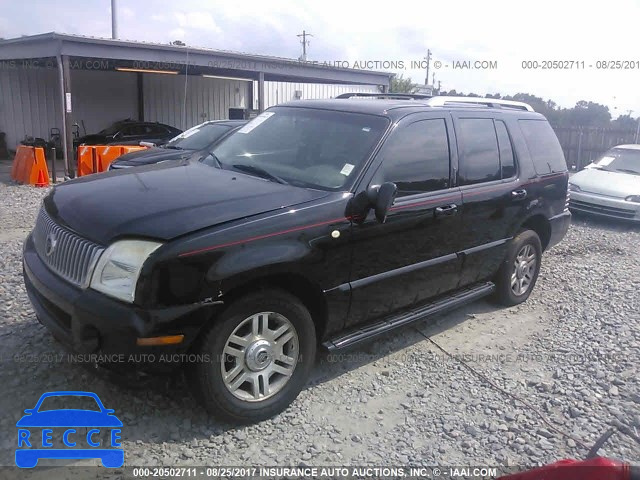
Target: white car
610, 186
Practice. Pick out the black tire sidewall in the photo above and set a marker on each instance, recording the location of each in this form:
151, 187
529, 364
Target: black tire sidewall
503, 281
207, 379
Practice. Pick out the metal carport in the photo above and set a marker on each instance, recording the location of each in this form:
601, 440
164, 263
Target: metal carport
55, 56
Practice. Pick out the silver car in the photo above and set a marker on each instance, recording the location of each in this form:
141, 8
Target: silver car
610, 186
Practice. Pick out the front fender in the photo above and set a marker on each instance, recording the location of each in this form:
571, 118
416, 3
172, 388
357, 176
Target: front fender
258, 260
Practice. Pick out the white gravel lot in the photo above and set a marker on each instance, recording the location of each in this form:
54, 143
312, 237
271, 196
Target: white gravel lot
572, 351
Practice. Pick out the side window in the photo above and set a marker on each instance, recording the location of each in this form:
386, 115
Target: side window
155, 130
543, 145
480, 158
507, 160
416, 157
133, 130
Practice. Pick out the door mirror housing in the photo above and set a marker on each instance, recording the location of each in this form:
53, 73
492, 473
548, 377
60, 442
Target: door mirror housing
381, 198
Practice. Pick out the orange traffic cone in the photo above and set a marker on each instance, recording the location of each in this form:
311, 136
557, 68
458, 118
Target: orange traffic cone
41, 180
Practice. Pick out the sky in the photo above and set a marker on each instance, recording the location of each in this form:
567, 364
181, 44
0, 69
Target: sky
501, 34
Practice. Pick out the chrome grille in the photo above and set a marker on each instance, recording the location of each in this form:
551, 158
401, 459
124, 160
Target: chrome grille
72, 258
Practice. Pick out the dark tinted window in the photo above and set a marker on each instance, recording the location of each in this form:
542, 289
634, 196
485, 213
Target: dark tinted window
507, 160
134, 130
416, 158
156, 130
543, 146
480, 160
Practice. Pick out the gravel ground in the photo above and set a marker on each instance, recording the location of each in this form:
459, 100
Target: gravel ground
571, 351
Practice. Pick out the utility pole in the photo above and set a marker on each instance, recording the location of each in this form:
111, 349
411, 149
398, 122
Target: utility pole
304, 43
114, 20
428, 59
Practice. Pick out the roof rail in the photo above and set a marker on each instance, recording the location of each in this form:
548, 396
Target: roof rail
389, 96
441, 101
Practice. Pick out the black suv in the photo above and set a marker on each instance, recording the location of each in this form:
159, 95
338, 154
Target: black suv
326, 222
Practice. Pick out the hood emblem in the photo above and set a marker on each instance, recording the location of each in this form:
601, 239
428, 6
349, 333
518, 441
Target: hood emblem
50, 244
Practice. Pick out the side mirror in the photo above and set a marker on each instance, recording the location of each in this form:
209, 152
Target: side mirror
382, 198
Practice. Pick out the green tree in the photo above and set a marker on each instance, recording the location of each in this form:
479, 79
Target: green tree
399, 84
625, 122
588, 114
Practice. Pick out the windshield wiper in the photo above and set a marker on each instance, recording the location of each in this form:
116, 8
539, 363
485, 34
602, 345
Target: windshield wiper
259, 171
628, 170
172, 147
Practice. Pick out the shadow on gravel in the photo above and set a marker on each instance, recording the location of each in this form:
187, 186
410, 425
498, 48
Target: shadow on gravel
331, 365
162, 409
603, 223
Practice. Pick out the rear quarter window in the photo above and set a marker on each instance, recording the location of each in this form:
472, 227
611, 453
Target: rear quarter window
543, 145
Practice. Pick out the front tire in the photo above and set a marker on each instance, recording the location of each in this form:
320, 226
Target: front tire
258, 357
518, 273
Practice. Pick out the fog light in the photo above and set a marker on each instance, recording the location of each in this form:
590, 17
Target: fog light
166, 340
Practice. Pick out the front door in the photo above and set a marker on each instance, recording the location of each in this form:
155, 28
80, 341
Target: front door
413, 255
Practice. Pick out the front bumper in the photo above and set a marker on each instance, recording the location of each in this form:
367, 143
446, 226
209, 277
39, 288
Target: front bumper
87, 321
604, 206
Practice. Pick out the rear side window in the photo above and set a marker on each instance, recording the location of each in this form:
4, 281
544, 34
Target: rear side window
507, 159
480, 157
416, 157
543, 146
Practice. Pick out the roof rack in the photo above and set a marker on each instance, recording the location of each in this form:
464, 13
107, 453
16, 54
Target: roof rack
441, 101
389, 96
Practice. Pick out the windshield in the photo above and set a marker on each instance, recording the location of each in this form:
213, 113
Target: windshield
199, 137
65, 402
620, 160
303, 146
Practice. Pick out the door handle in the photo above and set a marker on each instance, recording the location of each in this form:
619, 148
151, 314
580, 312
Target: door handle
519, 194
446, 210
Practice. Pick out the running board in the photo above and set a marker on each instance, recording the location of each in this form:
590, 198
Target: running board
440, 305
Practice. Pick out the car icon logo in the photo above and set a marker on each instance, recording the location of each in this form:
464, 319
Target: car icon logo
42, 426
50, 244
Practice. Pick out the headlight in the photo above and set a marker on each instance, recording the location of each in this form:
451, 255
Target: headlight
633, 198
573, 187
118, 268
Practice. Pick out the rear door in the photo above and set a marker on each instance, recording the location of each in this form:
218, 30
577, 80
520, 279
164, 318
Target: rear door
412, 256
493, 196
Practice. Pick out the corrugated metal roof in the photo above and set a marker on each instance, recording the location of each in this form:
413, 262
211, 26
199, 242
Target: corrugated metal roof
65, 37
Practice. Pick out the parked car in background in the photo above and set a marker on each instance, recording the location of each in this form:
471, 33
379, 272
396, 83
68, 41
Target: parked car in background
199, 139
318, 223
130, 132
610, 186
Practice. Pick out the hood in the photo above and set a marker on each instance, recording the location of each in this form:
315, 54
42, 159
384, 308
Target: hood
152, 155
602, 182
165, 200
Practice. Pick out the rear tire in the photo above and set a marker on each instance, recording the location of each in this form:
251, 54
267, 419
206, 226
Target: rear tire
259, 355
517, 275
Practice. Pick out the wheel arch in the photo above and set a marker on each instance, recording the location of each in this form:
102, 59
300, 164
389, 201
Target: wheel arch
541, 225
310, 294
